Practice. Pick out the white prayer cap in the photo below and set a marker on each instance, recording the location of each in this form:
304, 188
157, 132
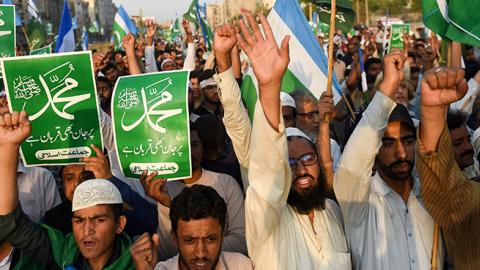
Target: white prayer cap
286, 100
165, 62
95, 192
207, 82
295, 132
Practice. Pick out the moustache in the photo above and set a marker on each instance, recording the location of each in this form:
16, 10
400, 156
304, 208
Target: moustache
467, 153
204, 259
398, 162
302, 176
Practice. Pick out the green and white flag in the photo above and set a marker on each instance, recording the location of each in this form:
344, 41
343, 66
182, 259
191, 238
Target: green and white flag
396, 36
59, 94
122, 26
191, 14
308, 67
7, 32
176, 31
453, 20
151, 124
36, 34
43, 50
344, 17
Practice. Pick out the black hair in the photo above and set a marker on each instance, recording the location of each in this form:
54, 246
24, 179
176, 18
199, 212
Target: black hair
117, 210
211, 132
197, 202
107, 67
122, 53
104, 80
455, 119
414, 70
371, 61
194, 74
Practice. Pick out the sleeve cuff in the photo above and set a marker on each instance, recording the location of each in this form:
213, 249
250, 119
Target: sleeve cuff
381, 106
443, 157
260, 122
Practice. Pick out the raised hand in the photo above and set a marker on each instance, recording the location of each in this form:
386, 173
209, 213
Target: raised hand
99, 165
325, 105
145, 251
14, 128
269, 62
99, 62
188, 31
392, 72
128, 43
155, 188
151, 31
223, 43
443, 86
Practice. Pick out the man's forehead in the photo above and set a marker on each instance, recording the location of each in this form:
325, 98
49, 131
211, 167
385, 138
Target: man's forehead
199, 227
101, 210
298, 147
397, 130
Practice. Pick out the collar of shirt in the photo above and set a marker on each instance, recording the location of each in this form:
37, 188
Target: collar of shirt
7, 260
173, 263
381, 188
21, 168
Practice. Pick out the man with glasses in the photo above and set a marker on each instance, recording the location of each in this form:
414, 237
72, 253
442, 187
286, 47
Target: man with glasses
289, 223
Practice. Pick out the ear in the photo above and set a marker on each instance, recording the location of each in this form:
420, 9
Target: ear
122, 221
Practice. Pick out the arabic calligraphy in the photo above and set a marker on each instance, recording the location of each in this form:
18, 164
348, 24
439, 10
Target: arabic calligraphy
153, 148
128, 99
51, 82
67, 135
151, 110
2, 23
339, 14
161, 168
25, 87
63, 153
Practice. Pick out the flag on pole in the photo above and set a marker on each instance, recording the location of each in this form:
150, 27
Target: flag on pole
18, 20
453, 20
191, 14
85, 41
66, 38
176, 32
362, 71
308, 65
122, 26
344, 16
33, 11
36, 34
206, 31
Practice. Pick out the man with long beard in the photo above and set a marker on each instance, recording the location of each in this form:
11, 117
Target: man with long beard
289, 223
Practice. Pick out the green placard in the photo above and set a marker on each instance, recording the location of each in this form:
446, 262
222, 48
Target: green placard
7, 32
150, 116
43, 50
396, 37
58, 92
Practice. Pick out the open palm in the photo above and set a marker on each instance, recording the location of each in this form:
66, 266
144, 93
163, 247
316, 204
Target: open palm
269, 62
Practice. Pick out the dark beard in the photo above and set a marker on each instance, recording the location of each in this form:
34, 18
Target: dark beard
314, 198
185, 262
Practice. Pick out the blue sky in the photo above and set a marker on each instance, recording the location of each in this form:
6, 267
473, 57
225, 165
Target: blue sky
162, 9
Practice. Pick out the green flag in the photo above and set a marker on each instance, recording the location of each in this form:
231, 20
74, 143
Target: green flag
191, 14
453, 20
152, 108
58, 92
176, 32
7, 31
36, 34
344, 17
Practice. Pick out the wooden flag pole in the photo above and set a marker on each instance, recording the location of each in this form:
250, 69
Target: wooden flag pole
26, 37
333, 10
436, 232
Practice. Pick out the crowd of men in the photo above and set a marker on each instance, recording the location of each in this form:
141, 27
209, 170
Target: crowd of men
390, 182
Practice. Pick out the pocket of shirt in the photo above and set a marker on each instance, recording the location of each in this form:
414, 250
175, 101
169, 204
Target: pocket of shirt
343, 260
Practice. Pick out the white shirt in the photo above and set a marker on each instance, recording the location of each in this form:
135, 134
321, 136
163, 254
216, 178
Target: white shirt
277, 236
37, 191
230, 191
383, 232
226, 261
7, 261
